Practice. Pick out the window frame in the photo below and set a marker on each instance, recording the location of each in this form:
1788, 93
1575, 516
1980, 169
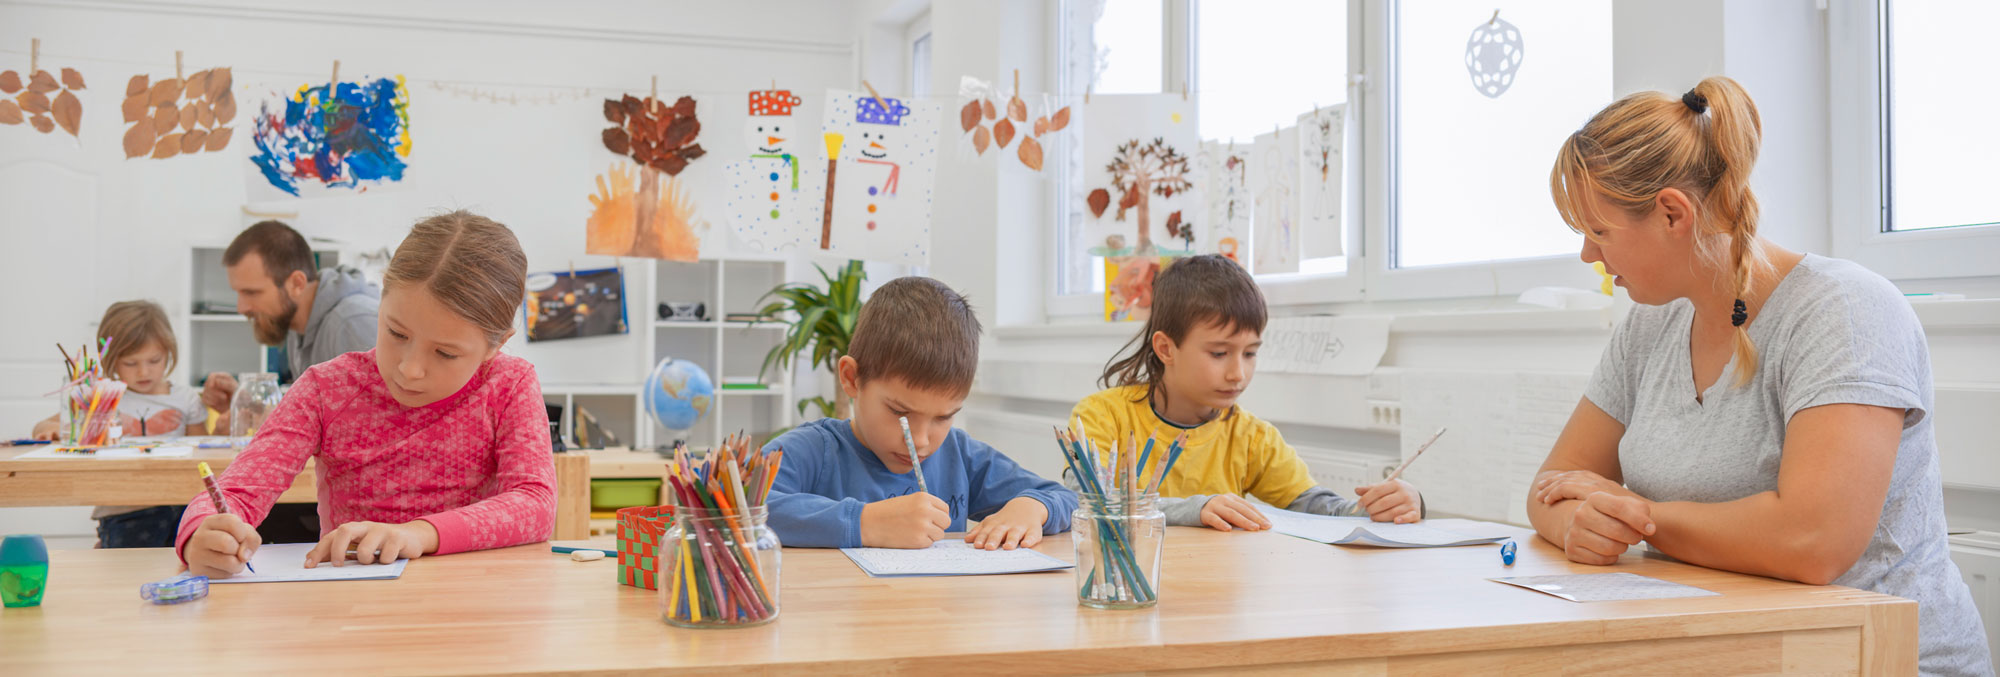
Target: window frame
1858, 110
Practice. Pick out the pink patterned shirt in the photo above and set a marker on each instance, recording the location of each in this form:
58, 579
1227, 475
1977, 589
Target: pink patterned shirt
476, 465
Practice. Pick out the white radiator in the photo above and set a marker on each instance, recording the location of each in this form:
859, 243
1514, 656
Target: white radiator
1978, 557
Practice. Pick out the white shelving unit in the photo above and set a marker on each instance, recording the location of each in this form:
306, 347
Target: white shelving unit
722, 349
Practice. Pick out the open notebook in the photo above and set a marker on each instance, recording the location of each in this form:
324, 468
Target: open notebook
950, 557
286, 563
1362, 531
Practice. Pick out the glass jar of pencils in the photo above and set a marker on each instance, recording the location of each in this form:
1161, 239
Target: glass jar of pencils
257, 396
719, 568
1118, 541
90, 412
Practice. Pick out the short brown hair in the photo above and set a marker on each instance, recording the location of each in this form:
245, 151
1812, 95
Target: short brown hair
1191, 292
130, 325
920, 331
283, 250
472, 264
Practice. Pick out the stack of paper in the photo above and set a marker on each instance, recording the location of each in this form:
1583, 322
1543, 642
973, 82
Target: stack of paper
950, 557
286, 563
1362, 531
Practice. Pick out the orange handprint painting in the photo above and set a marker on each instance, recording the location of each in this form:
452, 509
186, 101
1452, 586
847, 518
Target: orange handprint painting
655, 219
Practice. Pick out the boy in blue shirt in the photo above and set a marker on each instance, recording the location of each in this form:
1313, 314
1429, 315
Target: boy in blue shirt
848, 483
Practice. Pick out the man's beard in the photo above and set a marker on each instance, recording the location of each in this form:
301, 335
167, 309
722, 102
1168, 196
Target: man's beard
270, 329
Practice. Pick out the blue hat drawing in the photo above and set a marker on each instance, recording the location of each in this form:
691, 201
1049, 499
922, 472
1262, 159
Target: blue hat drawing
873, 113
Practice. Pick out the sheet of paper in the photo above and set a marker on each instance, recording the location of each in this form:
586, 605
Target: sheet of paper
1604, 587
114, 452
285, 563
1362, 531
950, 557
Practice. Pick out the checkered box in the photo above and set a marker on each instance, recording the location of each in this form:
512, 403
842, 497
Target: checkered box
640, 531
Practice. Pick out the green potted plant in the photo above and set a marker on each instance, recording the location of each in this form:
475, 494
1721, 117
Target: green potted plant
820, 320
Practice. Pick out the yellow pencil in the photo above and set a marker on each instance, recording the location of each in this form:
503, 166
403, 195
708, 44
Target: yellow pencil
687, 569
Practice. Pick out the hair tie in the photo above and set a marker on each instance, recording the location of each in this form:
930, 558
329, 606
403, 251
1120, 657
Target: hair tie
1695, 102
1740, 316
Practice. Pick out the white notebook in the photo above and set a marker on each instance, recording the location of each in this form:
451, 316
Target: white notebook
950, 557
1363, 531
286, 563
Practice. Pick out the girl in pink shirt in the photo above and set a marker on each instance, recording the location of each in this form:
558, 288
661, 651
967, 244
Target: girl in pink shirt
432, 443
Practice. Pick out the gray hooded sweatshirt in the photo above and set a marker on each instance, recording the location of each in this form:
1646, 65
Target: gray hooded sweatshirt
342, 319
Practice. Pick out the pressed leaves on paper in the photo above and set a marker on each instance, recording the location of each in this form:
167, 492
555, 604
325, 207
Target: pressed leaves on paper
179, 116
41, 101
648, 211
987, 123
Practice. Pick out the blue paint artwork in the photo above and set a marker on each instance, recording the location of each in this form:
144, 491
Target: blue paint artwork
337, 136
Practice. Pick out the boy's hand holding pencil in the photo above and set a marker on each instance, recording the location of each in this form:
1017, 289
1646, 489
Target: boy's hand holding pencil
1392, 501
913, 521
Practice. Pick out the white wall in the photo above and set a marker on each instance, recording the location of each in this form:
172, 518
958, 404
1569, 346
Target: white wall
531, 166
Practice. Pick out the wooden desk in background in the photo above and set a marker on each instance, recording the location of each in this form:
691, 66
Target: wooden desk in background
87, 480
1230, 603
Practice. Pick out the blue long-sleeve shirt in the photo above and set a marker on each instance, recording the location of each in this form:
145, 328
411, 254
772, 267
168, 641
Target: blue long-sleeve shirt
828, 475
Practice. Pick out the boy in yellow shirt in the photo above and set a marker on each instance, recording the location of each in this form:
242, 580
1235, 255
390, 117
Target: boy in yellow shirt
1186, 369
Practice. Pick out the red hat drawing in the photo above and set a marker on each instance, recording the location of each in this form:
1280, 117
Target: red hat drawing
772, 102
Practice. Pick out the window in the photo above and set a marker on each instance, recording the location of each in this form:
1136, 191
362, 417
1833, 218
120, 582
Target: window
1129, 38
920, 66
1941, 139
1483, 99
1911, 163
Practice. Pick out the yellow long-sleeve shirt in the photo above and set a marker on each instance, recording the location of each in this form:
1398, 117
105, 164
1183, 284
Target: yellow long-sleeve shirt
1234, 454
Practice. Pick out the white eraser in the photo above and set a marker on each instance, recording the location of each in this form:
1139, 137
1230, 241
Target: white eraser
586, 555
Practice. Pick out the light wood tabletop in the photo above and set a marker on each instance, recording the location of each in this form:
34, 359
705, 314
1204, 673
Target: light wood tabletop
1230, 602
173, 480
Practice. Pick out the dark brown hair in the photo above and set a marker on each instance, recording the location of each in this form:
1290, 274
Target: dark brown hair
283, 250
473, 265
920, 331
1191, 292
131, 325
1703, 143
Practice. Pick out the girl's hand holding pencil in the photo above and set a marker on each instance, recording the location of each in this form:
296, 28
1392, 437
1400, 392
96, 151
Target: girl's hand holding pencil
912, 521
1392, 501
221, 546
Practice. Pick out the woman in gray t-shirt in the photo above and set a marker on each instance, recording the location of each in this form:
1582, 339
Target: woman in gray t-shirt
1762, 411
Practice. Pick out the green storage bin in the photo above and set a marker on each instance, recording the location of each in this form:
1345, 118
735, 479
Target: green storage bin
612, 494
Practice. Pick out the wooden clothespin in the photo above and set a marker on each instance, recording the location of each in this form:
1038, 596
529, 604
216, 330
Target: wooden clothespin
1184, 89
1495, 21
35, 57
655, 96
1017, 83
334, 81
877, 95
177, 67
1086, 92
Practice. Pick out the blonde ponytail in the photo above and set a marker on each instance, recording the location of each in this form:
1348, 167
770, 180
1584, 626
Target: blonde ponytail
1703, 143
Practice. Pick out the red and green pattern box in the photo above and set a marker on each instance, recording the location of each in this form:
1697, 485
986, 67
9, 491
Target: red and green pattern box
640, 531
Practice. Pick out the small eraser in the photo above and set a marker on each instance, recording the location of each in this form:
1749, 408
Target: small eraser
586, 555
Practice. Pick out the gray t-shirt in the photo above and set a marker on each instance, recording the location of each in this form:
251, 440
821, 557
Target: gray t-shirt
1832, 332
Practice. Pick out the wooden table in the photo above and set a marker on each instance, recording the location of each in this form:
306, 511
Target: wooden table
86, 480
1230, 602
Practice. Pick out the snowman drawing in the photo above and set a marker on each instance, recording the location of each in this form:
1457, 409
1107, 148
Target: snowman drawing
864, 197
774, 194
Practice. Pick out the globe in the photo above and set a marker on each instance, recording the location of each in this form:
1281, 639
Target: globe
678, 393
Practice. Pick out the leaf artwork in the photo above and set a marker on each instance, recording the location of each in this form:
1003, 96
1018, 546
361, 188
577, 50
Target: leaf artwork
346, 135
641, 212
1099, 200
968, 117
1031, 153
980, 138
42, 101
1003, 133
654, 134
186, 110
1140, 170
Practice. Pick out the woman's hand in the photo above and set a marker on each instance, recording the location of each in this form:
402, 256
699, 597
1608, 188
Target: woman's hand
1605, 525
374, 543
1555, 486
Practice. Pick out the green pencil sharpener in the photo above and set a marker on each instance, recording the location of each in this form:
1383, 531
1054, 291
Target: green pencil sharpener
24, 570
